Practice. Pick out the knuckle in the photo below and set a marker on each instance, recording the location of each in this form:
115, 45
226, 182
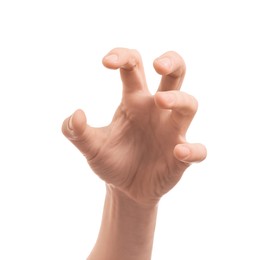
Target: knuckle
188, 104
179, 63
135, 55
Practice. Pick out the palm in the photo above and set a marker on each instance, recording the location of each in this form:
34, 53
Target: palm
137, 152
143, 164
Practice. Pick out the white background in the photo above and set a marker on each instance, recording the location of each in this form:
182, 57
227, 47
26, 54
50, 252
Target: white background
50, 65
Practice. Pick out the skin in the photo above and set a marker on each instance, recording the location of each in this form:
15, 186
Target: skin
140, 155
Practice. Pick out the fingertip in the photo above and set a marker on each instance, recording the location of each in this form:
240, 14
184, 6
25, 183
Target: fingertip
78, 121
122, 58
111, 61
163, 65
70, 124
190, 153
204, 153
75, 124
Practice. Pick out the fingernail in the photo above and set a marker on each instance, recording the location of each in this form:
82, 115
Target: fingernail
70, 126
165, 62
112, 58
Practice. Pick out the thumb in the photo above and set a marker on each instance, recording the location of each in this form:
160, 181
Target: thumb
190, 153
75, 128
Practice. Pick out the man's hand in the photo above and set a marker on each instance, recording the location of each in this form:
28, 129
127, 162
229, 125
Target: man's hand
143, 152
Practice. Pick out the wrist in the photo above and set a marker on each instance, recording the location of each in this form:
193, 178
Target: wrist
121, 198
127, 228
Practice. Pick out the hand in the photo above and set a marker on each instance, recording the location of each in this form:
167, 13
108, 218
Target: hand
143, 152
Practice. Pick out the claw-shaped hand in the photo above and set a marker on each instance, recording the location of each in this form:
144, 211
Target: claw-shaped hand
143, 151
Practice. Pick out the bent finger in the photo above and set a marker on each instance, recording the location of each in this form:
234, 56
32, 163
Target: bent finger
183, 106
172, 68
131, 68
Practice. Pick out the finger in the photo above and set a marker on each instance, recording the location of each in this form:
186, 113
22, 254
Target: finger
131, 68
190, 153
75, 128
172, 68
183, 106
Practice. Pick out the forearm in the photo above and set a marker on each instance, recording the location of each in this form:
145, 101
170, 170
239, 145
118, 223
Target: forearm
127, 229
